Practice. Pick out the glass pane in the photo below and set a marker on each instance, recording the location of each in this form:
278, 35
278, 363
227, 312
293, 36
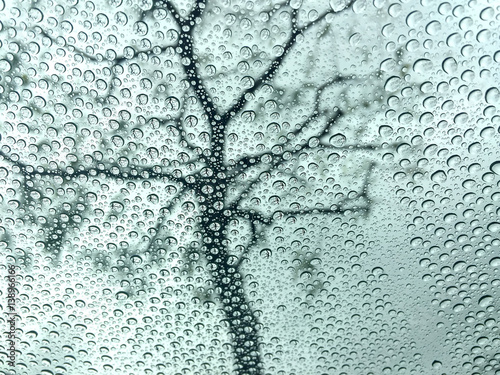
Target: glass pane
249, 187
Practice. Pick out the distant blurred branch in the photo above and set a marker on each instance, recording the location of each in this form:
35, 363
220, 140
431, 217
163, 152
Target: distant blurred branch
277, 61
133, 174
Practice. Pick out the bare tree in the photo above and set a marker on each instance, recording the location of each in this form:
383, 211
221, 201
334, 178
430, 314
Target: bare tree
214, 141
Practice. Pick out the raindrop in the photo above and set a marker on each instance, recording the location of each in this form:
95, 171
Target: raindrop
4, 66
485, 301
492, 95
450, 65
495, 167
423, 66
338, 5
439, 176
35, 14
337, 140
433, 28
121, 296
414, 18
494, 227
495, 262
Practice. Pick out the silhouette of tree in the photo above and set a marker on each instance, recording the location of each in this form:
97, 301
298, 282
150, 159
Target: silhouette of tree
215, 143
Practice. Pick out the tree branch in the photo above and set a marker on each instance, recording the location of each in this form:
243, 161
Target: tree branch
248, 160
276, 63
171, 203
170, 8
270, 167
71, 48
188, 61
197, 11
134, 174
337, 209
253, 238
177, 124
121, 59
252, 215
253, 218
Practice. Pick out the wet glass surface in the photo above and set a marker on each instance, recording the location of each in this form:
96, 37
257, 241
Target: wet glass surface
249, 187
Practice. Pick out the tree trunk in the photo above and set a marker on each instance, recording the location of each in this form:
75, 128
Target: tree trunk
228, 281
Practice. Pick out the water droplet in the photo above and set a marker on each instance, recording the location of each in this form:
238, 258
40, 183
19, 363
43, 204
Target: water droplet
495, 262
439, 176
450, 65
433, 28
485, 301
393, 84
423, 66
494, 227
338, 5
414, 18
492, 95
337, 140
121, 295
4, 66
